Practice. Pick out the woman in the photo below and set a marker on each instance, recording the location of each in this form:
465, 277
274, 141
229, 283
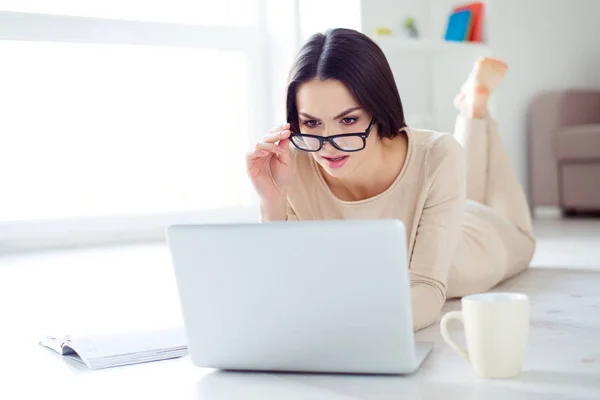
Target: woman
467, 220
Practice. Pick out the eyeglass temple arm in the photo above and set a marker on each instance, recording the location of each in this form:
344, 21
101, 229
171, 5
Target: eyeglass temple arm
371, 124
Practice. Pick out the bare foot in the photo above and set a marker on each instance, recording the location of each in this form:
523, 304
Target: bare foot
488, 72
486, 75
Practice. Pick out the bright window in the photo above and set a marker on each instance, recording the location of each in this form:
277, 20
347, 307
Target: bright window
97, 125
92, 130
204, 12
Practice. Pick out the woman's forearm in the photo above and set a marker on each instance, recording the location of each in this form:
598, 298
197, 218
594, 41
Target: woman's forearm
275, 210
427, 302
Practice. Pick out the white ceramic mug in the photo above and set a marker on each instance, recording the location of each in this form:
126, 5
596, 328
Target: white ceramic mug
496, 330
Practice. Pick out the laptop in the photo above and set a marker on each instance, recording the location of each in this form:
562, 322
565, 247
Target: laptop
297, 296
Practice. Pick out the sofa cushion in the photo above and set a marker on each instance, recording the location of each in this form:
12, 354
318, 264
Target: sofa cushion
579, 186
578, 143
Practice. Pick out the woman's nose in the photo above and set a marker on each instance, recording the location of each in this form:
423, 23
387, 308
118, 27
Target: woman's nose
328, 149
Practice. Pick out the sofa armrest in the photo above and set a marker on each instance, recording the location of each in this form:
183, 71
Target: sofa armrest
579, 107
578, 144
543, 121
549, 113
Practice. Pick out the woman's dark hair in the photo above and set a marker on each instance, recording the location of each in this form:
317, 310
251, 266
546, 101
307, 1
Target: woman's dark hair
355, 60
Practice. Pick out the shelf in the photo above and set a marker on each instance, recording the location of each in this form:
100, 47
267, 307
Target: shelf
394, 44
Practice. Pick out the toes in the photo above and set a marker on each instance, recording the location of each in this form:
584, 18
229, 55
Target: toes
489, 72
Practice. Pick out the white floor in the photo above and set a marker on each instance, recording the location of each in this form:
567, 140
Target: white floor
561, 243
93, 274
132, 287
571, 243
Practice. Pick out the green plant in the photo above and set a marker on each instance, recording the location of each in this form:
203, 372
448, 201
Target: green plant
411, 27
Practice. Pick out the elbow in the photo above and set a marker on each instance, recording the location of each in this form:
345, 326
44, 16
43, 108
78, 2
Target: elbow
427, 302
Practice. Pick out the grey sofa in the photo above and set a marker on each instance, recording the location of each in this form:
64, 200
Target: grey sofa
564, 150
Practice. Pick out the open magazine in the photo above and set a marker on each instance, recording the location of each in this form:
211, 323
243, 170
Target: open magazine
118, 349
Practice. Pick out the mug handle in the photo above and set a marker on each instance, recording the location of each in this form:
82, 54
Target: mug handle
444, 329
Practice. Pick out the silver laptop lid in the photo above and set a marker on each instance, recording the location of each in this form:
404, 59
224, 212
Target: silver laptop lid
328, 296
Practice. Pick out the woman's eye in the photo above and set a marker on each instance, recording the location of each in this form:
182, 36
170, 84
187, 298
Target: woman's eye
311, 123
348, 120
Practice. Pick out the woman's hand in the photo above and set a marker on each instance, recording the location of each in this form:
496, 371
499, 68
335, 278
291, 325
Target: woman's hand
269, 165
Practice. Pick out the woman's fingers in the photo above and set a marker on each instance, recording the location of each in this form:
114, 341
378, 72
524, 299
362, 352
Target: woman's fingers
285, 157
284, 144
265, 149
269, 144
256, 154
279, 128
271, 147
277, 136
277, 133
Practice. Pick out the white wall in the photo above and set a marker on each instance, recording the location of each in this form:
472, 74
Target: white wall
321, 15
289, 25
549, 45
428, 73
412, 71
391, 13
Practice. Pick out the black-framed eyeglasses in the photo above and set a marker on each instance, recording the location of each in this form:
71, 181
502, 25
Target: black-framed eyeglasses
347, 142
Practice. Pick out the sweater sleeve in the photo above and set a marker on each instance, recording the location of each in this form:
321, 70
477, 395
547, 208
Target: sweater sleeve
438, 231
291, 214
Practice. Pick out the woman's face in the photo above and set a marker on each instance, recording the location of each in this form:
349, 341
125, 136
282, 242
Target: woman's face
326, 108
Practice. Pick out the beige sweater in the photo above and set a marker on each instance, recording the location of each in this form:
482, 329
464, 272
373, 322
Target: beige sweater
428, 196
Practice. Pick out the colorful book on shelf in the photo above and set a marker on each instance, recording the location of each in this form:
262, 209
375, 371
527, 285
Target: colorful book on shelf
459, 26
477, 15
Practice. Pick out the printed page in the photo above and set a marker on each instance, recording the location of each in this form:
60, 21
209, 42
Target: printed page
128, 344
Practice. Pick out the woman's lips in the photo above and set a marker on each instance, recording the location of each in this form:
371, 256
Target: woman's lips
335, 161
